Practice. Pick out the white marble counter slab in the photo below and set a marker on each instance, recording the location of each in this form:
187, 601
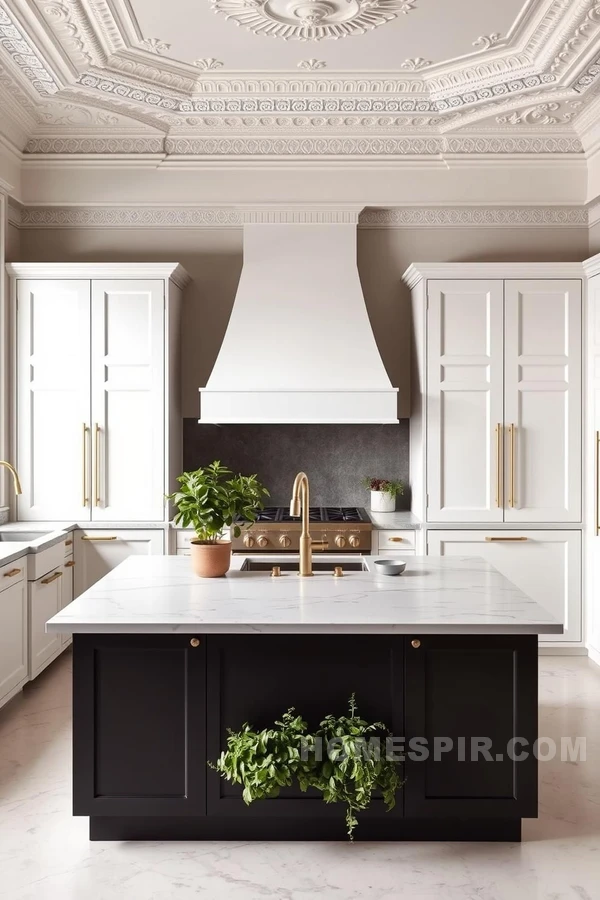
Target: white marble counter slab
436, 595
395, 521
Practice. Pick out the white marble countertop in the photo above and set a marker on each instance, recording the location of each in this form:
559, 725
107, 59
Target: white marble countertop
436, 595
395, 521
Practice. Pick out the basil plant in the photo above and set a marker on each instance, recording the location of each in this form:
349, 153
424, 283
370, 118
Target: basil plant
211, 498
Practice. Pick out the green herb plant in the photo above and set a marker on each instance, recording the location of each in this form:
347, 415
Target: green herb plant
384, 484
210, 499
338, 760
265, 761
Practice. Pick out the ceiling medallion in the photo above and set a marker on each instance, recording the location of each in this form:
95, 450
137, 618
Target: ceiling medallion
311, 20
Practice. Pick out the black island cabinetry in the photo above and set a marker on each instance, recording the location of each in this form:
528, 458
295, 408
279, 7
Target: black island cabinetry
151, 709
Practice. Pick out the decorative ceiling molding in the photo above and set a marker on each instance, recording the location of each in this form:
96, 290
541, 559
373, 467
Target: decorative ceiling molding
24, 55
541, 77
207, 64
311, 20
228, 217
322, 146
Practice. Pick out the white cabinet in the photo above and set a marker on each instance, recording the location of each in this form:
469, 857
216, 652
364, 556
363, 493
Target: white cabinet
545, 565
128, 400
500, 361
53, 397
542, 401
13, 629
464, 400
97, 552
67, 592
45, 600
98, 365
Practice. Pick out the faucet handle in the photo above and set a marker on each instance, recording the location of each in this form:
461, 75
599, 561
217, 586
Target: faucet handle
319, 545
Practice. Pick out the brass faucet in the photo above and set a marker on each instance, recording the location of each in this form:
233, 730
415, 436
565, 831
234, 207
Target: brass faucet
13, 472
301, 501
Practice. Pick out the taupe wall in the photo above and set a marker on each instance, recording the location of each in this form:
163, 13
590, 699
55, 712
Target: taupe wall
213, 258
13, 244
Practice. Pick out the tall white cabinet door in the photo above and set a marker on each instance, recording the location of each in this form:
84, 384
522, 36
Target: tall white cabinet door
128, 397
97, 552
53, 399
546, 566
543, 401
464, 400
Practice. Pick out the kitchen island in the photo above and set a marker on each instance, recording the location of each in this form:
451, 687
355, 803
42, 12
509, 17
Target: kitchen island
164, 663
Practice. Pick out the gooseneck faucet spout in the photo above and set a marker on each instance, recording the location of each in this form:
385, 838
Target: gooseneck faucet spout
300, 504
13, 472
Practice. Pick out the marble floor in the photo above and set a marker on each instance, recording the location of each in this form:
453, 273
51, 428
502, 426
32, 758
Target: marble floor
45, 853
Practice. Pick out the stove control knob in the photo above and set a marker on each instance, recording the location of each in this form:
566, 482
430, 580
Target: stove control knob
340, 540
248, 540
354, 540
284, 540
262, 540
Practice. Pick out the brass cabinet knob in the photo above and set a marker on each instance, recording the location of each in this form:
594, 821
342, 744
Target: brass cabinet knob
195, 642
416, 644
338, 571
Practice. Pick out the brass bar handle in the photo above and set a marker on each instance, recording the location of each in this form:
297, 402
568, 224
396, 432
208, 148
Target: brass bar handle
11, 573
52, 578
597, 483
512, 428
90, 537
396, 539
499, 500
506, 539
97, 467
85, 498
69, 565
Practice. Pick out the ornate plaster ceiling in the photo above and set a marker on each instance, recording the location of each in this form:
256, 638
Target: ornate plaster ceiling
299, 78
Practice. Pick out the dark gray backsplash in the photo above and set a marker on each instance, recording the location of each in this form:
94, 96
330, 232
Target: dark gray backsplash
335, 457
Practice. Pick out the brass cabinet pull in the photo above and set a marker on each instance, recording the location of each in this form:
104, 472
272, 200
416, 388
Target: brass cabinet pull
511, 491
85, 465
499, 501
506, 539
52, 578
90, 537
68, 543
416, 643
97, 468
11, 573
69, 565
194, 642
597, 483
397, 539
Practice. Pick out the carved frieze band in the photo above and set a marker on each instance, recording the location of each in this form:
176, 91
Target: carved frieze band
212, 217
306, 146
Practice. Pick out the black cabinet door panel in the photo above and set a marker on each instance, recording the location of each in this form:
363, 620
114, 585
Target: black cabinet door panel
477, 693
139, 713
255, 678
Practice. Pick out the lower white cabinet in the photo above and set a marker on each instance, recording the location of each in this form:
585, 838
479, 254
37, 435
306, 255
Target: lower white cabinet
45, 600
546, 565
97, 552
13, 631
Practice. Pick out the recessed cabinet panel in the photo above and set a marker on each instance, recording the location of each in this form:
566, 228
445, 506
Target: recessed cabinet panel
545, 565
98, 552
13, 637
464, 400
53, 398
128, 397
543, 401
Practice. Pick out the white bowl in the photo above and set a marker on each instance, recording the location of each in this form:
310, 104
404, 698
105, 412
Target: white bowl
390, 566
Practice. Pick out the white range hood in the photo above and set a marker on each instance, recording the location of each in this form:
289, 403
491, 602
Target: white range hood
299, 347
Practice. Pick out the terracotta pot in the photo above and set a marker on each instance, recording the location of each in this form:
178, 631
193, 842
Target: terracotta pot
210, 560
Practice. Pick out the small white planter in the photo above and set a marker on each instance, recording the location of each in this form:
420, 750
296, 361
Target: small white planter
381, 501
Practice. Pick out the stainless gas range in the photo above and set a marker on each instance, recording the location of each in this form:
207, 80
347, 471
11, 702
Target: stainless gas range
346, 528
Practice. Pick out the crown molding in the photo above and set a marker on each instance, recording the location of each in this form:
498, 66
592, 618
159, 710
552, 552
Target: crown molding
173, 271
420, 271
15, 212
25, 216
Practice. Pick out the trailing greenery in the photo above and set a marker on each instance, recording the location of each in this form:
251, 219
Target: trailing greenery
338, 760
384, 484
354, 768
212, 498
